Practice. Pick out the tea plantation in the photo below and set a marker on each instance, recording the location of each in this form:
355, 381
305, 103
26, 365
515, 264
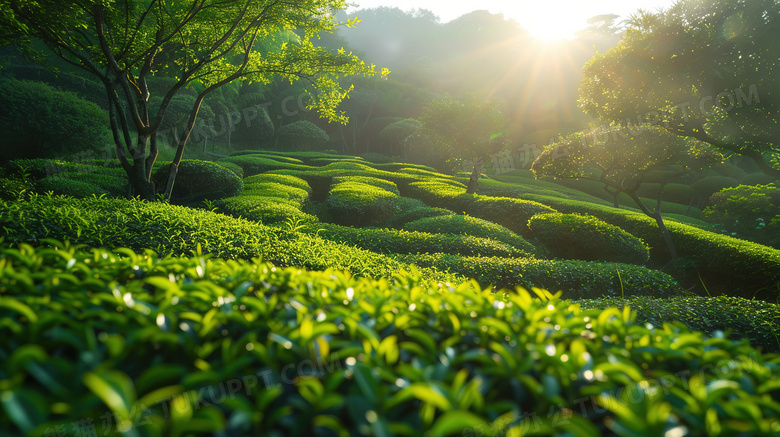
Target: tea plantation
284, 294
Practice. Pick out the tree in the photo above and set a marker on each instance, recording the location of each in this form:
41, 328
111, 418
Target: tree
461, 129
703, 69
394, 136
621, 159
202, 44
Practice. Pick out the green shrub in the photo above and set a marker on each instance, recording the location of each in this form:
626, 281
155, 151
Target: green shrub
292, 181
302, 135
68, 187
571, 236
750, 212
467, 225
114, 185
264, 209
708, 186
253, 164
14, 188
757, 179
508, 212
577, 279
753, 320
358, 204
410, 242
178, 230
726, 265
199, 180
198, 345
675, 193
412, 210
374, 182
40, 121
235, 168
40, 168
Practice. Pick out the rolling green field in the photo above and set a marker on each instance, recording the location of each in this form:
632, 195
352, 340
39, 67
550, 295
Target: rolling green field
318, 294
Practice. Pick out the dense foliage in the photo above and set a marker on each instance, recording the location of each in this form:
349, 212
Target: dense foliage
572, 236
245, 348
751, 212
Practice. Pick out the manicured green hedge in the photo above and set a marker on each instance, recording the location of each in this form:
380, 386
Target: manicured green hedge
359, 204
14, 188
266, 209
414, 213
467, 225
186, 346
114, 185
409, 242
253, 181
374, 182
178, 230
41, 168
753, 320
68, 187
572, 236
253, 164
508, 212
199, 180
577, 279
726, 265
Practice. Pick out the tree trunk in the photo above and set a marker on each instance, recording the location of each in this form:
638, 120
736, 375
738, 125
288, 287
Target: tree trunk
667, 236
474, 179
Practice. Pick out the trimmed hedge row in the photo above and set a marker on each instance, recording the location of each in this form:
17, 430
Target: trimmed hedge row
68, 187
198, 180
727, 265
508, 212
587, 238
374, 182
179, 346
467, 225
577, 279
391, 241
177, 230
360, 204
266, 209
756, 321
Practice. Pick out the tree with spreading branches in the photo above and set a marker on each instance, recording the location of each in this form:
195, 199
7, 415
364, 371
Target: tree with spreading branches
202, 44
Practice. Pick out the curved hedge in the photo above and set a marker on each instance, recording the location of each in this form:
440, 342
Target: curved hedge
587, 238
577, 279
505, 211
292, 181
467, 225
756, 321
178, 230
264, 209
374, 182
199, 180
409, 242
359, 204
726, 265
172, 346
68, 187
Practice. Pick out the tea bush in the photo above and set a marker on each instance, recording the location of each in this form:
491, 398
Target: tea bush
577, 279
467, 225
756, 321
750, 212
264, 209
68, 187
199, 180
374, 182
359, 204
726, 265
178, 230
181, 346
572, 236
410, 242
253, 164
508, 212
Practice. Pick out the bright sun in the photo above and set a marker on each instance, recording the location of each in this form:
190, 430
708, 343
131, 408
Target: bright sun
545, 21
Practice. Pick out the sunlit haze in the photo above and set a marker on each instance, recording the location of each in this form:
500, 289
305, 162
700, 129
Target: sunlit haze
547, 20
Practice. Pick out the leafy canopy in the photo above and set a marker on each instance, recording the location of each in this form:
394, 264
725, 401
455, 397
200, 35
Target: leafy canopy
704, 69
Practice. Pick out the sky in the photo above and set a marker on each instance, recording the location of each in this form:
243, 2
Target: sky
545, 19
